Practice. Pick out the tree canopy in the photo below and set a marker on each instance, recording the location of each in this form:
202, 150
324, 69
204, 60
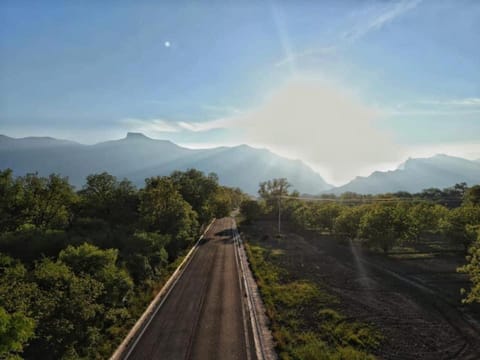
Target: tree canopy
77, 268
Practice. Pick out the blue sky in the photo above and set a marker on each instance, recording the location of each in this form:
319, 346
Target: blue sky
347, 86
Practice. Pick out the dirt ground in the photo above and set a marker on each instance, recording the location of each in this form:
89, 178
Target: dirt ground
415, 303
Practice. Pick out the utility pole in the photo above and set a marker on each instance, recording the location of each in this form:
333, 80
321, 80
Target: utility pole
279, 212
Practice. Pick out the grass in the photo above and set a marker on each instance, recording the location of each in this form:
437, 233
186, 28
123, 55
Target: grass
304, 320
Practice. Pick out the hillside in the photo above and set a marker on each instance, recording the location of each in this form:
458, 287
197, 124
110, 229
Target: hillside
137, 157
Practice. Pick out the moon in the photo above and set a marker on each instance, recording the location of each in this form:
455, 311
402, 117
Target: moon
167, 44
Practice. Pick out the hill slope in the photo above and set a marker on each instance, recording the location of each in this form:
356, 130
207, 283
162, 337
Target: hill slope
137, 157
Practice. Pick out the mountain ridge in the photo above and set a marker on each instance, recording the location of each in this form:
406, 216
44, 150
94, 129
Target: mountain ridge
414, 175
137, 157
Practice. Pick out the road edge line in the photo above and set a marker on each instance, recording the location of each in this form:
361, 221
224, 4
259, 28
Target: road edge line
144, 321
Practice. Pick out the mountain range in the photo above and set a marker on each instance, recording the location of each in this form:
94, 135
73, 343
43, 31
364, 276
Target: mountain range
414, 175
137, 157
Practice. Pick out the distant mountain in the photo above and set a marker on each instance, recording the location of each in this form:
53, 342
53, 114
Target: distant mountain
137, 157
414, 175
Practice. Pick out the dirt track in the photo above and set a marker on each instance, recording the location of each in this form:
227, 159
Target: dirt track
202, 317
415, 305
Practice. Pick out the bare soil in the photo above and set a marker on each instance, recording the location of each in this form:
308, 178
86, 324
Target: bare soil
415, 302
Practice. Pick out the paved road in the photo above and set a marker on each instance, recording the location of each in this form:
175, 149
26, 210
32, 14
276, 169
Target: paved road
202, 317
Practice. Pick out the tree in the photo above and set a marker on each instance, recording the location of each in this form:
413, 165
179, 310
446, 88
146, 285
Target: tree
16, 296
251, 210
164, 211
196, 189
11, 202
65, 310
347, 223
472, 269
15, 330
378, 227
456, 225
422, 218
472, 196
300, 216
273, 189
28, 244
324, 215
145, 255
44, 203
47, 201
221, 203
104, 197
16, 291
89, 261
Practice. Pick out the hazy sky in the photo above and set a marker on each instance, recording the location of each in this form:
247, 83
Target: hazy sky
347, 86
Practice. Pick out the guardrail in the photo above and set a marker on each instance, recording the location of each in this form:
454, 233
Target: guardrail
260, 351
128, 344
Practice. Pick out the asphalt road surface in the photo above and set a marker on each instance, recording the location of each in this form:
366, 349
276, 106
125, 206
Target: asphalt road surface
202, 317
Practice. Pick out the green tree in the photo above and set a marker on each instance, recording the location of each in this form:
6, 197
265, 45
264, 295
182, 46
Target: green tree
347, 223
15, 330
47, 201
301, 216
196, 189
146, 255
378, 226
272, 189
16, 296
422, 218
89, 261
65, 310
324, 215
456, 225
29, 244
164, 211
11, 202
472, 269
251, 210
104, 197
472, 196
221, 203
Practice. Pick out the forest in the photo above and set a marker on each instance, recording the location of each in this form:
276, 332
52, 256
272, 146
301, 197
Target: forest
77, 268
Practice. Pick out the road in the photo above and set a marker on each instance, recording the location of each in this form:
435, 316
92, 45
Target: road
203, 316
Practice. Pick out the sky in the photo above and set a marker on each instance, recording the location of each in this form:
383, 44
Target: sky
348, 87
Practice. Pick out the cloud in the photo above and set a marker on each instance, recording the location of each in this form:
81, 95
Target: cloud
151, 125
161, 126
471, 101
206, 125
310, 53
385, 16
447, 107
221, 109
378, 16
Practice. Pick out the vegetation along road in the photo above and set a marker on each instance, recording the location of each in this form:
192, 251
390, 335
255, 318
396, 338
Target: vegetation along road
202, 317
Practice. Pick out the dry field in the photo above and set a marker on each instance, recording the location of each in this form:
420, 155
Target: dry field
413, 301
